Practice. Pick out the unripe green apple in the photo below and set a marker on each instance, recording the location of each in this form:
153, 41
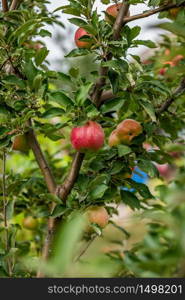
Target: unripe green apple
98, 215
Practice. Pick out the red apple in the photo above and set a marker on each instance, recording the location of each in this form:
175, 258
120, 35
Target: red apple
162, 71
87, 137
113, 11
80, 33
125, 132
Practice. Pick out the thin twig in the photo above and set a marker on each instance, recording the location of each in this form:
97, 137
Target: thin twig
180, 90
85, 248
5, 5
152, 12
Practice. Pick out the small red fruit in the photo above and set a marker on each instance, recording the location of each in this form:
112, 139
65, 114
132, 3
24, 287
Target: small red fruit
162, 71
87, 137
113, 11
80, 33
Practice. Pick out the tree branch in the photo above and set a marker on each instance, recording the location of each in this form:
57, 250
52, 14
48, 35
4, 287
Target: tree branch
152, 12
51, 185
97, 91
64, 190
107, 95
15, 4
41, 160
5, 5
120, 20
180, 90
48, 241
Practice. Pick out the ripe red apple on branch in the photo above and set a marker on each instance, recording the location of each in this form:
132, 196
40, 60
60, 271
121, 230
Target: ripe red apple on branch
125, 132
79, 34
87, 137
112, 11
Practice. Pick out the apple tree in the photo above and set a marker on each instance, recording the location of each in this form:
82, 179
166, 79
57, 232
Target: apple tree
71, 142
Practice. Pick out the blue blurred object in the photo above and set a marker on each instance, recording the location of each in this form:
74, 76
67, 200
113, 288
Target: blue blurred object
138, 176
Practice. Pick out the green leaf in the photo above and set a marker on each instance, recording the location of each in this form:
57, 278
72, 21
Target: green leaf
146, 43
82, 93
41, 55
148, 107
78, 22
30, 71
61, 98
59, 211
142, 189
112, 105
148, 167
53, 112
114, 80
77, 52
98, 192
14, 80
118, 64
37, 82
123, 150
5, 141
117, 167
130, 199
66, 241
10, 209
44, 33
175, 27
3, 130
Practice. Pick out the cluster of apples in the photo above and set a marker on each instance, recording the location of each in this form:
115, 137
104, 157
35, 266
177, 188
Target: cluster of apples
111, 14
171, 63
91, 135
